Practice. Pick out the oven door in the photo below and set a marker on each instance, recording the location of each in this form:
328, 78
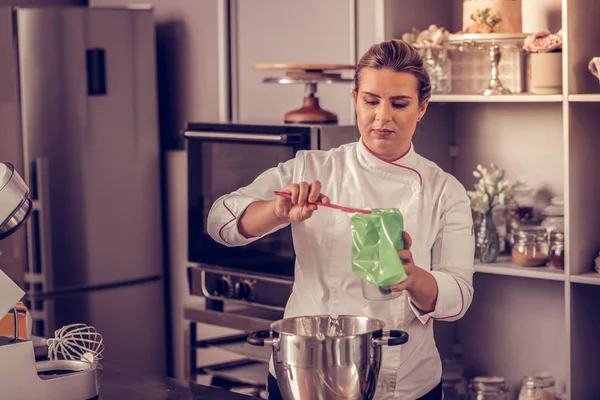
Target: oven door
222, 159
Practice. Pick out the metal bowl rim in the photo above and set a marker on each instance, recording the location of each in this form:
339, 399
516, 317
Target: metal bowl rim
287, 333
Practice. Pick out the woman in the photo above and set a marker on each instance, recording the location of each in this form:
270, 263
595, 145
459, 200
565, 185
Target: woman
382, 170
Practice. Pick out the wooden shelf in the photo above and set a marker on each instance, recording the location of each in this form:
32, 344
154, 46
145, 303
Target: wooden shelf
584, 98
589, 278
512, 98
504, 266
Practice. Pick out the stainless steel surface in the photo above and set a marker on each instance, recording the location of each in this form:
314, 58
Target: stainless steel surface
242, 288
16, 323
243, 292
244, 318
15, 204
249, 137
40, 260
243, 348
25, 379
324, 357
16, 219
92, 158
251, 373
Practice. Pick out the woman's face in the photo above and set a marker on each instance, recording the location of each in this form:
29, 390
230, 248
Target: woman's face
387, 110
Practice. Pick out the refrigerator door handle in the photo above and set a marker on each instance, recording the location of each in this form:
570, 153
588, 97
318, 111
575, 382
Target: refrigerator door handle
39, 277
40, 248
96, 72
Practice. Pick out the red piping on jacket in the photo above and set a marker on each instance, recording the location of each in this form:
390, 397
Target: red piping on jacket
226, 223
393, 162
462, 306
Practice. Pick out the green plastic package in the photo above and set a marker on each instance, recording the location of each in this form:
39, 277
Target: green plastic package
376, 237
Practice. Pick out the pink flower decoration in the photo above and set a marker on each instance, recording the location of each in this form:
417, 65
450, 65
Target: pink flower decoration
543, 42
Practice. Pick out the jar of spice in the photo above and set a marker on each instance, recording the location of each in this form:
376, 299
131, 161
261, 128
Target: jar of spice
531, 247
538, 386
556, 254
487, 388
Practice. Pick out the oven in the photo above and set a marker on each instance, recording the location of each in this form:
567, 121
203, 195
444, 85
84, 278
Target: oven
246, 288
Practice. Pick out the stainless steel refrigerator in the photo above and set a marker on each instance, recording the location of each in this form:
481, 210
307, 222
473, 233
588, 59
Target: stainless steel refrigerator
78, 118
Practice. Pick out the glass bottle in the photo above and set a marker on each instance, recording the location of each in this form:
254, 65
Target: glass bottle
538, 386
488, 388
443, 72
500, 216
439, 68
556, 252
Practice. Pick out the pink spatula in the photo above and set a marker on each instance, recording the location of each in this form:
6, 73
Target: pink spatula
344, 209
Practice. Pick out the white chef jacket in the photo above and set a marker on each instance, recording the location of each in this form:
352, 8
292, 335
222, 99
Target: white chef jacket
437, 215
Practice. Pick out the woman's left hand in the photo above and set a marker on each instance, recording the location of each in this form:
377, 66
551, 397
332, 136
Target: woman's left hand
409, 265
420, 285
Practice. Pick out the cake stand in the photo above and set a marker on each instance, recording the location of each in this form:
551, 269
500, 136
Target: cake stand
490, 42
309, 75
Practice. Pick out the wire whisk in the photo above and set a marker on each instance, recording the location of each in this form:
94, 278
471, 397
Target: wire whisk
77, 342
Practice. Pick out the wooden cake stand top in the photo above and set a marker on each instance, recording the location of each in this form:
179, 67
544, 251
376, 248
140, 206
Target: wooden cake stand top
305, 67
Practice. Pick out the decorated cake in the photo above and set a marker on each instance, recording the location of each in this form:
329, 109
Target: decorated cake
492, 16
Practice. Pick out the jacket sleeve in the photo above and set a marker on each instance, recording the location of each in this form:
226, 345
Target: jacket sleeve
452, 258
222, 222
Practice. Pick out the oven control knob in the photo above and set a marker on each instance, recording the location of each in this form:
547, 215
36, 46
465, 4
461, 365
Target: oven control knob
224, 287
243, 290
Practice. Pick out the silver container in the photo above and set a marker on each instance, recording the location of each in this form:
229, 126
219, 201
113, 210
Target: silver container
15, 205
327, 358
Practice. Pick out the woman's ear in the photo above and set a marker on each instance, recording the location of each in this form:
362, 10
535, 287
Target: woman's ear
422, 109
354, 96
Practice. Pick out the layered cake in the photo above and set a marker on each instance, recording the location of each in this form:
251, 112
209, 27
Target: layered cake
492, 16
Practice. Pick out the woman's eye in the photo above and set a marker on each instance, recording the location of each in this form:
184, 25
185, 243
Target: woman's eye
371, 102
395, 105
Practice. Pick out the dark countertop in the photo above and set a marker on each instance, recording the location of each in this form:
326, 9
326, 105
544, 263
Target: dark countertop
119, 384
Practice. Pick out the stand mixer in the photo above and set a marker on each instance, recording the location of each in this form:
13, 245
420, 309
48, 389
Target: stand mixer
21, 376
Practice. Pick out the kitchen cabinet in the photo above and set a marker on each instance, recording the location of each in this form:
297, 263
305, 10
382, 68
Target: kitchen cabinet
525, 319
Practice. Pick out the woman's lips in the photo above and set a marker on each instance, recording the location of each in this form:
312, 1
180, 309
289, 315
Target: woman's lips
382, 132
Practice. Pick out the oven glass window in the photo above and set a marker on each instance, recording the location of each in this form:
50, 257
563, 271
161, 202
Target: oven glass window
218, 168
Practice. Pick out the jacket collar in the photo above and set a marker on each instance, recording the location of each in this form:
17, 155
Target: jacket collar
405, 166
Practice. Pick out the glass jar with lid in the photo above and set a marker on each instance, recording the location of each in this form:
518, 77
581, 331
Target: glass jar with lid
523, 199
488, 388
454, 385
554, 215
530, 247
556, 252
538, 386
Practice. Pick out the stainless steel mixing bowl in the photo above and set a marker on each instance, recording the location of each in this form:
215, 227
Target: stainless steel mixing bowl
327, 358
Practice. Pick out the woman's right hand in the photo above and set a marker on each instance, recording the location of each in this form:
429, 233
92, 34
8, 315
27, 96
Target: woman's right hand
300, 206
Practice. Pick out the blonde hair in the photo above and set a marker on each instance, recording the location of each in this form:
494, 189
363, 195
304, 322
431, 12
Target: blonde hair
398, 56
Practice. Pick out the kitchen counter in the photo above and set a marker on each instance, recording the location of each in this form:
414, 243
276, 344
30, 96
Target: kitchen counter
120, 384
117, 383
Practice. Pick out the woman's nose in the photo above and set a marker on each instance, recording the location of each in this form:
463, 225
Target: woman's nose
383, 113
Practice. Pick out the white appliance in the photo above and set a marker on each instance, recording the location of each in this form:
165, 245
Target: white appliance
78, 115
21, 377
